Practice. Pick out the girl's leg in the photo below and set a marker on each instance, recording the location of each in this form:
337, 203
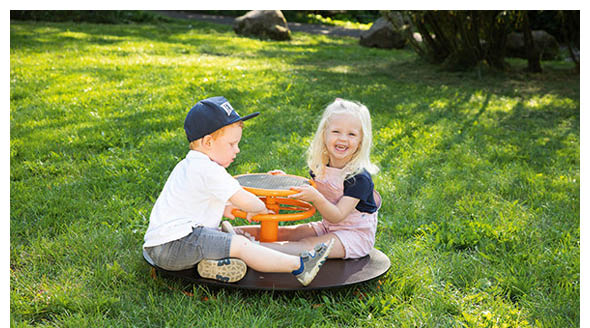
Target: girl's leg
261, 258
285, 233
305, 244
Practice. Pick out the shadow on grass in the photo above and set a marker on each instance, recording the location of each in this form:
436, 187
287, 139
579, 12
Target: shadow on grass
470, 167
323, 55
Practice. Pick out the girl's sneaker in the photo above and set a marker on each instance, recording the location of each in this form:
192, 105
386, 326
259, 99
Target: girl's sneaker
312, 261
225, 270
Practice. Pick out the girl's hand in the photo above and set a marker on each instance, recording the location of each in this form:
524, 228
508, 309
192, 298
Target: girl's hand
277, 172
306, 193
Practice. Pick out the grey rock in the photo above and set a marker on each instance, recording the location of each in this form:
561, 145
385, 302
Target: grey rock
382, 34
265, 24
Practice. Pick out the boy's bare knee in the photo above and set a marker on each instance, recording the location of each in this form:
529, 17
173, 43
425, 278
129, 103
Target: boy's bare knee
238, 243
240, 240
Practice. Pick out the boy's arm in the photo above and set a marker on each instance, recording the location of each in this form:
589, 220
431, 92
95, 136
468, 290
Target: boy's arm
248, 202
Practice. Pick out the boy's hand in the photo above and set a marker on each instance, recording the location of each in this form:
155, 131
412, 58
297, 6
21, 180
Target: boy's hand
306, 193
277, 172
249, 215
227, 211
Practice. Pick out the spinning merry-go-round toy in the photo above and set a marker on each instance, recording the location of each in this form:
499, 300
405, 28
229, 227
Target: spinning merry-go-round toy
273, 190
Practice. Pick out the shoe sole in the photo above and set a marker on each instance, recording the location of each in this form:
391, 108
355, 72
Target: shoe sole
225, 270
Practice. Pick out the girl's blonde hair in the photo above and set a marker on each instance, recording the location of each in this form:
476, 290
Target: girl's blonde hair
317, 155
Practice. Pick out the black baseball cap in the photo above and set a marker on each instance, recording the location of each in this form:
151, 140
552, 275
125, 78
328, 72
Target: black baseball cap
210, 115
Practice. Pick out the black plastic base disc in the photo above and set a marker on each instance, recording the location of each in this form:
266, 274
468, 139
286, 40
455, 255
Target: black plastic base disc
335, 273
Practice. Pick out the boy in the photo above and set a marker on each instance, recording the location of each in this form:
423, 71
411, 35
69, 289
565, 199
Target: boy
183, 224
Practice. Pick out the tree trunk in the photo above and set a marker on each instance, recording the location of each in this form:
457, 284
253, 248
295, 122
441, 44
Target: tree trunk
496, 23
570, 29
533, 55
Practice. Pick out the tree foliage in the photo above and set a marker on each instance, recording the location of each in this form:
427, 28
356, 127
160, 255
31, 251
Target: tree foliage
463, 39
89, 16
459, 39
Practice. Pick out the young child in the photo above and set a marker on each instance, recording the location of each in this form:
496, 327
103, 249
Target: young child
339, 163
183, 229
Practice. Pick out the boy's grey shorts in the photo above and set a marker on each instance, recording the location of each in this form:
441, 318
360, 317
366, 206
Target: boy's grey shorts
186, 252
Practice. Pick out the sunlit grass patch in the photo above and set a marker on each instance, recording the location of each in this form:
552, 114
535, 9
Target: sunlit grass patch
480, 176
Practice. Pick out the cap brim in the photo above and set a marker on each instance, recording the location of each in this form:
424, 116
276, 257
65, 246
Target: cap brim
247, 117
243, 118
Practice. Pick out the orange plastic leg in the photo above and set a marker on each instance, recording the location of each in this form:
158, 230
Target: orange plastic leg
269, 223
269, 231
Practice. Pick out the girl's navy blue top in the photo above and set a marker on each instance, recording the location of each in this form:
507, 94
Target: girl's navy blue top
360, 186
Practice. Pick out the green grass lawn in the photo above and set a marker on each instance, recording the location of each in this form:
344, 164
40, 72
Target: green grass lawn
480, 175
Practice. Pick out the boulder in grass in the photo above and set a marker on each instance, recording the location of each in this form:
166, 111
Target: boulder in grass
545, 43
383, 35
264, 24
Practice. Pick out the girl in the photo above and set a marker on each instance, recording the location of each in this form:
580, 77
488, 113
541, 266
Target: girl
339, 163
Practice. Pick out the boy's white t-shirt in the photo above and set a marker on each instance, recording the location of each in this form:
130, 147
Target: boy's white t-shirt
195, 194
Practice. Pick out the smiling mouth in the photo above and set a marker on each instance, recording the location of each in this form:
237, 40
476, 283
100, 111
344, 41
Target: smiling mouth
340, 148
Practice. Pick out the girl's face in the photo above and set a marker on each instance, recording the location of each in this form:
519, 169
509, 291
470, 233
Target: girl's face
342, 138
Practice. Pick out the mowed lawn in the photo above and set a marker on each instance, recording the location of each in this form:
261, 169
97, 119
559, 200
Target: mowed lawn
480, 175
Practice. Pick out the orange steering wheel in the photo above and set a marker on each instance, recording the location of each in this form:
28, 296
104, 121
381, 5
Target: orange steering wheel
273, 190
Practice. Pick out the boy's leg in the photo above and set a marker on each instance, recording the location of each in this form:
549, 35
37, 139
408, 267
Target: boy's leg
296, 247
260, 258
215, 263
312, 261
295, 239
184, 253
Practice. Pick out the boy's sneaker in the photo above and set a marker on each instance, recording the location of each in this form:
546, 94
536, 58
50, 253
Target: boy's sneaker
247, 235
313, 261
226, 270
227, 227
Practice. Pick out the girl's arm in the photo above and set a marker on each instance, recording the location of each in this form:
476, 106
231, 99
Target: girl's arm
329, 211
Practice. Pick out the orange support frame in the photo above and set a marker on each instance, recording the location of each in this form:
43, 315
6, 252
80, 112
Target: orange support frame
269, 223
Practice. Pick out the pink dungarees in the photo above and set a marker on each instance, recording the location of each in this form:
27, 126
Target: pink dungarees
357, 231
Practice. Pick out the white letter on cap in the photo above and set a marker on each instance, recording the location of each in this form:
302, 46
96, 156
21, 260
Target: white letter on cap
227, 107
